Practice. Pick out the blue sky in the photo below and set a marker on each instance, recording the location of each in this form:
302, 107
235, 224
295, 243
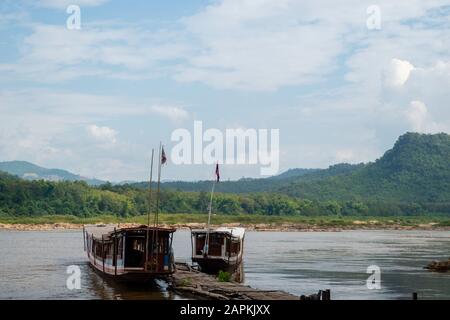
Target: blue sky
96, 100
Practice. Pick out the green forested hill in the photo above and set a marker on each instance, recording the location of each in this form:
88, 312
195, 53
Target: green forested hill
416, 169
244, 185
270, 184
30, 171
413, 178
20, 197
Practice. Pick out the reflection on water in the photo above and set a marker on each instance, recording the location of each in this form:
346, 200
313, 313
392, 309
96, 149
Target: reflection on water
33, 265
108, 289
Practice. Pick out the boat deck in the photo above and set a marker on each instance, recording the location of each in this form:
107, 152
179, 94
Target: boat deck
201, 285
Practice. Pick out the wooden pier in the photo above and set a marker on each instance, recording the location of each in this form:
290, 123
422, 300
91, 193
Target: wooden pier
189, 281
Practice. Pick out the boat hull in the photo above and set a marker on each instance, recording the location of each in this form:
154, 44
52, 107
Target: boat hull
214, 265
123, 275
130, 277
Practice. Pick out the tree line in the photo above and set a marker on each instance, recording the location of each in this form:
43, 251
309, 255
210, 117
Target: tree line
24, 198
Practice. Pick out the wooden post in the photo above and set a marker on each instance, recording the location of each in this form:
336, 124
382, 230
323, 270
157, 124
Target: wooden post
170, 251
229, 250
115, 252
103, 254
94, 246
84, 239
192, 244
88, 247
242, 250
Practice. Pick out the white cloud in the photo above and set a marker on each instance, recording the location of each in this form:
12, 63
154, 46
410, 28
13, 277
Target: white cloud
264, 45
175, 114
259, 45
372, 86
102, 134
246, 45
397, 73
53, 53
61, 129
417, 114
345, 155
419, 119
74, 107
62, 4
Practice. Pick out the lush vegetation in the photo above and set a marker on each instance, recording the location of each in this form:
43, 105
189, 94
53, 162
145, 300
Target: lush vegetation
416, 171
247, 185
412, 179
224, 276
23, 198
20, 197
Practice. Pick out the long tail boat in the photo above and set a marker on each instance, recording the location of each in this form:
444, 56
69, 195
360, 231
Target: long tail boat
219, 249
130, 254
223, 251
133, 254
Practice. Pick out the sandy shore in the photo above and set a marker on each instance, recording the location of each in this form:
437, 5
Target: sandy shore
356, 225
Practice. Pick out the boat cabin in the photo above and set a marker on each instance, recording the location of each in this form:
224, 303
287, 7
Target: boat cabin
223, 251
144, 251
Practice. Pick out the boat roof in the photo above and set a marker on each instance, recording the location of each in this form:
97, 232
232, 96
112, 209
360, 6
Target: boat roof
236, 232
99, 230
105, 230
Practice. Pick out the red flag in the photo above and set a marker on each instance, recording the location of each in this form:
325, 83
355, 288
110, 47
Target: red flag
217, 172
163, 156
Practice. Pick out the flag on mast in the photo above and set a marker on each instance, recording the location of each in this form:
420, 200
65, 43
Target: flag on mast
163, 156
217, 172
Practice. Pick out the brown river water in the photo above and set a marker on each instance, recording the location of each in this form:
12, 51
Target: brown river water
33, 265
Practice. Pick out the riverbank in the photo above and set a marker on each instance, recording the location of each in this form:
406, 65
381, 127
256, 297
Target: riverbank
251, 222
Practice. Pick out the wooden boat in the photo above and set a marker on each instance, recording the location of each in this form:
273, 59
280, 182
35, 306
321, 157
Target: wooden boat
130, 254
219, 249
133, 254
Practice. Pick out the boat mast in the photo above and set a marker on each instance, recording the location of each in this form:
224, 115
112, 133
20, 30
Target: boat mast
149, 210
156, 218
206, 248
150, 191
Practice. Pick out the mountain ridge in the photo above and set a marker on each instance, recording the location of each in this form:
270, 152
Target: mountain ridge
416, 168
30, 171
412, 178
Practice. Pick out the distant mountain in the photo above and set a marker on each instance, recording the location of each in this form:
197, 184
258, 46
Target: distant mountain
297, 172
249, 185
416, 169
30, 171
412, 178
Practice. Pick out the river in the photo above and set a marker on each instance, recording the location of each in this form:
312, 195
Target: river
33, 265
